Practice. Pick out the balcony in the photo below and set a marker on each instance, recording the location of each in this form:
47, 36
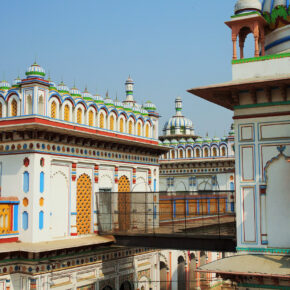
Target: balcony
203, 220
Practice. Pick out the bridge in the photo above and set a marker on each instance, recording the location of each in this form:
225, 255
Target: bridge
199, 220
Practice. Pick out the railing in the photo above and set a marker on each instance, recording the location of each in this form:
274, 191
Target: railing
179, 213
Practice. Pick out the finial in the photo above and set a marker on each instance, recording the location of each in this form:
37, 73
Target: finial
107, 94
116, 97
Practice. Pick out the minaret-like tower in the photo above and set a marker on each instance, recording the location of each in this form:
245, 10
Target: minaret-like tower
129, 84
178, 106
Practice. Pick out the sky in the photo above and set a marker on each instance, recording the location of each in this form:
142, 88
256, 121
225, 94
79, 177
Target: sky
167, 47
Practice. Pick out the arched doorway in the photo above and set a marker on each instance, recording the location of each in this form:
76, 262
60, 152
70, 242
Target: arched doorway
124, 203
107, 288
126, 286
181, 279
163, 276
84, 204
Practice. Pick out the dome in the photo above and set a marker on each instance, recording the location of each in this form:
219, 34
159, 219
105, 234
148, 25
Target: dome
224, 139
199, 140
247, 6
4, 85
174, 142
277, 15
160, 143
166, 142
98, 99
207, 140
75, 92
149, 106
190, 141
182, 141
231, 132
52, 84
87, 96
62, 88
35, 70
17, 81
216, 139
118, 104
137, 108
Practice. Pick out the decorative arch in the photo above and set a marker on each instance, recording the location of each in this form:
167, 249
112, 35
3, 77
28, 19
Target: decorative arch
131, 126
147, 129
102, 119
79, 113
189, 152
214, 151
2, 107
206, 151
91, 115
41, 106
223, 150
198, 152
181, 153
124, 203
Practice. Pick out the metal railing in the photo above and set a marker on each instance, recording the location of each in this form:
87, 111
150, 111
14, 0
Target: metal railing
196, 213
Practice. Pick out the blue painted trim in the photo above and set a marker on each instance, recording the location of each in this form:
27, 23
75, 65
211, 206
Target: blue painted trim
40, 219
208, 206
272, 5
9, 202
73, 213
174, 208
25, 181
198, 207
187, 207
15, 234
277, 42
25, 220
15, 217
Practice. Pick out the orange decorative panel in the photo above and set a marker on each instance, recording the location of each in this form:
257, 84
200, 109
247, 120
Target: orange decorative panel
112, 123
91, 118
53, 110
139, 129
130, 127
147, 130
121, 125
66, 113
102, 121
1, 110
124, 202
13, 108
84, 204
5, 218
79, 116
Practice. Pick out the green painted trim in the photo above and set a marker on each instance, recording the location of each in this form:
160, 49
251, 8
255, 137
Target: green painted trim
262, 105
76, 95
63, 92
28, 73
4, 88
246, 14
129, 92
264, 250
261, 58
262, 286
178, 109
99, 102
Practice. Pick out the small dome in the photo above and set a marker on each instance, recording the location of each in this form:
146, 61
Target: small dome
160, 143
62, 88
166, 142
52, 84
128, 106
199, 140
190, 141
231, 132
17, 81
129, 80
149, 106
4, 85
174, 142
35, 70
207, 140
224, 139
87, 96
75, 92
144, 112
247, 6
182, 141
118, 104
216, 139
137, 108
98, 99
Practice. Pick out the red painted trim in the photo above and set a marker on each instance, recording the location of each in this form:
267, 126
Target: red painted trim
9, 240
73, 234
36, 120
261, 115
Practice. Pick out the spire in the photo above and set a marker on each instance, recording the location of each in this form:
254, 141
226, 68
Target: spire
178, 106
107, 94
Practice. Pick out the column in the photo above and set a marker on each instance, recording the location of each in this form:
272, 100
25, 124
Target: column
95, 198
33, 284
7, 284
264, 235
73, 199
234, 39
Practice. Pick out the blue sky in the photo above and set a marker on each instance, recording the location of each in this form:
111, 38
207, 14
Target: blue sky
167, 46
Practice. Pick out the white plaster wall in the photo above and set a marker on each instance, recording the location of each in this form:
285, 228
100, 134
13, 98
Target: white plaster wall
258, 69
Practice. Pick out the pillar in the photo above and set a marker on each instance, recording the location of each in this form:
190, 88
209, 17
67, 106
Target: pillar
234, 39
7, 284
73, 213
95, 198
264, 236
33, 284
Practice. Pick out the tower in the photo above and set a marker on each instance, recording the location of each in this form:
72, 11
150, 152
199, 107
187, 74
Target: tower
129, 84
248, 19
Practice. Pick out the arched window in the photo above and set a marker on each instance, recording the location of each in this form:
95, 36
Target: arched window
91, 118
112, 121
172, 154
139, 129
29, 105
121, 125
189, 153
180, 154
1, 109
53, 110
197, 152
102, 121
147, 131
130, 127
214, 152
79, 116
206, 152
41, 106
223, 151
66, 113
14, 108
